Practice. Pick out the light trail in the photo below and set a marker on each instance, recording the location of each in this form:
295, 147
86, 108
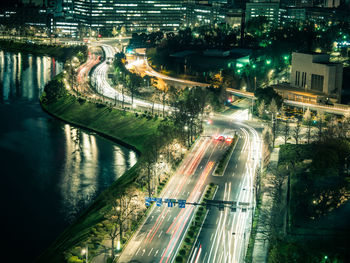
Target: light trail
105, 89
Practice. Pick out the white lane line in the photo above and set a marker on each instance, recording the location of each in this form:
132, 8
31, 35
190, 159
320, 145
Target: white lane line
233, 174
143, 251
156, 252
150, 251
160, 233
163, 252
211, 237
236, 166
137, 251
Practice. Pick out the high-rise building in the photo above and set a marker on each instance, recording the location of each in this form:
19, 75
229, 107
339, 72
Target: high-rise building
269, 10
134, 15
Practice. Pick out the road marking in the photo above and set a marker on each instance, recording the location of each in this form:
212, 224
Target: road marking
138, 251
212, 235
206, 253
236, 165
169, 218
163, 251
161, 232
233, 174
156, 252
150, 252
143, 251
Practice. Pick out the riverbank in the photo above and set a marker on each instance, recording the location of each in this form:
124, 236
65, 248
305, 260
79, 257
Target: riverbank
135, 131
58, 51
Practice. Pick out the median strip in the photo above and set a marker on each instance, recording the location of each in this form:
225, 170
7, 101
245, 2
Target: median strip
198, 220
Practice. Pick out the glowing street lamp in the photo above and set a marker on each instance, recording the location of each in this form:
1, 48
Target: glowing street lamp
268, 62
85, 252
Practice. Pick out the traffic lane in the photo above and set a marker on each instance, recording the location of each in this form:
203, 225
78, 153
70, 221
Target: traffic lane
151, 241
151, 222
216, 221
218, 149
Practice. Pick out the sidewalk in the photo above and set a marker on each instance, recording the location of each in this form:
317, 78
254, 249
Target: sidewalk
261, 244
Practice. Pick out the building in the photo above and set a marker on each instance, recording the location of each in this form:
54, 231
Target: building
314, 72
205, 13
134, 15
270, 10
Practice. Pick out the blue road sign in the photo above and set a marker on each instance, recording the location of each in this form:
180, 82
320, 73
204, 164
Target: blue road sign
147, 201
182, 203
158, 201
153, 199
170, 204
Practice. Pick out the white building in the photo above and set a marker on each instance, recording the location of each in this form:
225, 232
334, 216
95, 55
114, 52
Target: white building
314, 72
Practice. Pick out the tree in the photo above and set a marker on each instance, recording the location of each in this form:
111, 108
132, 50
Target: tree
114, 32
296, 132
286, 131
150, 159
123, 206
320, 121
274, 129
261, 108
308, 122
273, 107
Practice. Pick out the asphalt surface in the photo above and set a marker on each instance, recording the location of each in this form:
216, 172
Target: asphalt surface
158, 240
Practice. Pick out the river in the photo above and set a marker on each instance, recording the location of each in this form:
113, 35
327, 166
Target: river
50, 171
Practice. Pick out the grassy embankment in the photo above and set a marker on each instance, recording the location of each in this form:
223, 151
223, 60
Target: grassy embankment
123, 127
58, 51
196, 225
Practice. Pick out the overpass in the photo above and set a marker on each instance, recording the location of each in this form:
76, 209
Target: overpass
339, 109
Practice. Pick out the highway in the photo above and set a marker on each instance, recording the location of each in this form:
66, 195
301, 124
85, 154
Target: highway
225, 234
99, 79
159, 238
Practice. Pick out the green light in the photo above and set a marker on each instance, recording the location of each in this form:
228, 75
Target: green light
253, 66
268, 62
344, 37
239, 71
325, 257
239, 65
286, 57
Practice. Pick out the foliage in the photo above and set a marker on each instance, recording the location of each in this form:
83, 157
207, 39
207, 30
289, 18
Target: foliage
55, 89
266, 95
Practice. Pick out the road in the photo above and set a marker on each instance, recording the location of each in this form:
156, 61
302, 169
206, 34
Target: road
225, 234
159, 238
140, 64
99, 80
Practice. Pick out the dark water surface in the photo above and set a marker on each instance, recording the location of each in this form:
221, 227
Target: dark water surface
49, 171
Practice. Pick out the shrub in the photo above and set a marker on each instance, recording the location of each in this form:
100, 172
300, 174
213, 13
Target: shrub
182, 252
74, 259
191, 233
211, 184
179, 259
188, 240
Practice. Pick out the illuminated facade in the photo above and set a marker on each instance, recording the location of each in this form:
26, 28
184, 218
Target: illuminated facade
134, 15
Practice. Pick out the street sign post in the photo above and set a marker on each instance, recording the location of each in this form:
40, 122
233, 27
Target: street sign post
182, 203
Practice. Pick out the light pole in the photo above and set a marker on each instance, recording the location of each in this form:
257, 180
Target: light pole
85, 252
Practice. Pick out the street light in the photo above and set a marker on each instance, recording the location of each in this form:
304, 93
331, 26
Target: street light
85, 252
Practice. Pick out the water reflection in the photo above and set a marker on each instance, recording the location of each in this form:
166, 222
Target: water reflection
50, 171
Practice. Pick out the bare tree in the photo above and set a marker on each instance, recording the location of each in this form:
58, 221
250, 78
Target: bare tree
286, 131
273, 107
261, 108
308, 122
123, 206
320, 122
296, 132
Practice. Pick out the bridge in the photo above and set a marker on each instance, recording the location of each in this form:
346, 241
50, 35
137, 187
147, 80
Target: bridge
339, 109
